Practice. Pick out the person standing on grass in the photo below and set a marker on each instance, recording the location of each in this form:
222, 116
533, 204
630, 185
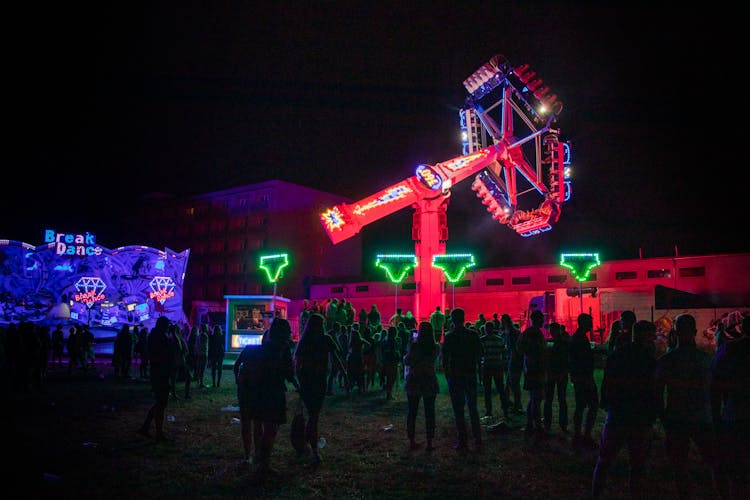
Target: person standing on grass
369, 358
161, 356
621, 331
510, 333
87, 346
123, 352
201, 354
421, 383
581, 363
391, 353
462, 352
216, 354
179, 355
311, 367
493, 368
629, 395
75, 351
261, 373
355, 361
557, 377
531, 345
685, 374
437, 320
338, 334
374, 319
141, 350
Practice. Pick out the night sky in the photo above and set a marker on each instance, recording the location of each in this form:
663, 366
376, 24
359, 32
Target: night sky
348, 97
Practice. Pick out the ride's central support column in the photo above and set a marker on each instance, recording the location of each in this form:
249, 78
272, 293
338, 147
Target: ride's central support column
429, 232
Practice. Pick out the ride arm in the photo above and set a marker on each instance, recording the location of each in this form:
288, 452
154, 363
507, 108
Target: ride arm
344, 220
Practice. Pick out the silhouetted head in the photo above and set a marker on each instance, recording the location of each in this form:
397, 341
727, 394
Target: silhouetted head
162, 323
426, 334
537, 317
279, 332
684, 325
457, 316
627, 318
314, 325
585, 322
555, 329
644, 334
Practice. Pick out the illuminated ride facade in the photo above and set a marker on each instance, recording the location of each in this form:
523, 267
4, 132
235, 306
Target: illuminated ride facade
71, 277
513, 108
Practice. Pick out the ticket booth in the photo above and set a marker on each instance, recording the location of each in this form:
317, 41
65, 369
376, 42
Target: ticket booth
248, 316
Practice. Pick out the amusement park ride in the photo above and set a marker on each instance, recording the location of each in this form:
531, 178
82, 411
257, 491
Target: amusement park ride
518, 112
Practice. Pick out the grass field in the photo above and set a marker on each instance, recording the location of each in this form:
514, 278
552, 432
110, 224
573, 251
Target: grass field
77, 439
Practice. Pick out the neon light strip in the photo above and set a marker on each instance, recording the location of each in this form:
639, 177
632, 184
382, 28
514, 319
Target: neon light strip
580, 264
407, 261
448, 263
463, 162
392, 194
282, 260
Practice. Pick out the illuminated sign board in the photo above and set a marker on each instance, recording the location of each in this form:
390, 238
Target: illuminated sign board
90, 290
273, 265
240, 341
429, 177
392, 194
162, 288
580, 264
73, 244
396, 266
333, 218
453, 265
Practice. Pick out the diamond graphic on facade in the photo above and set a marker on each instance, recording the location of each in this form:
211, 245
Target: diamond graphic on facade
90, 290
162, 288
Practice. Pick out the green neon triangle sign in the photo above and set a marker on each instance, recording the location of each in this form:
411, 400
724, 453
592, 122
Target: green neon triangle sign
580, 264
396, 266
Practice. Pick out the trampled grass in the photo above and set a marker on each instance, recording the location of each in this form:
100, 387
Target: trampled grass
78, 439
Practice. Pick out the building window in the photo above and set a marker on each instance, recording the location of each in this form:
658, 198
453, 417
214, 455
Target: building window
558, 278
461, 283
626, 275
691, 272
362, 288
660, 273
337, 289
409, 286
521, 280
592, 277
495, 282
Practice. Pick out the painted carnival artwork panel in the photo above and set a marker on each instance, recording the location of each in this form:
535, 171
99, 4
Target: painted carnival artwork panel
71, 276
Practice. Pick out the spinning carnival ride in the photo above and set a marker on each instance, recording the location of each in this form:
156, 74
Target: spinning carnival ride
512, 107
